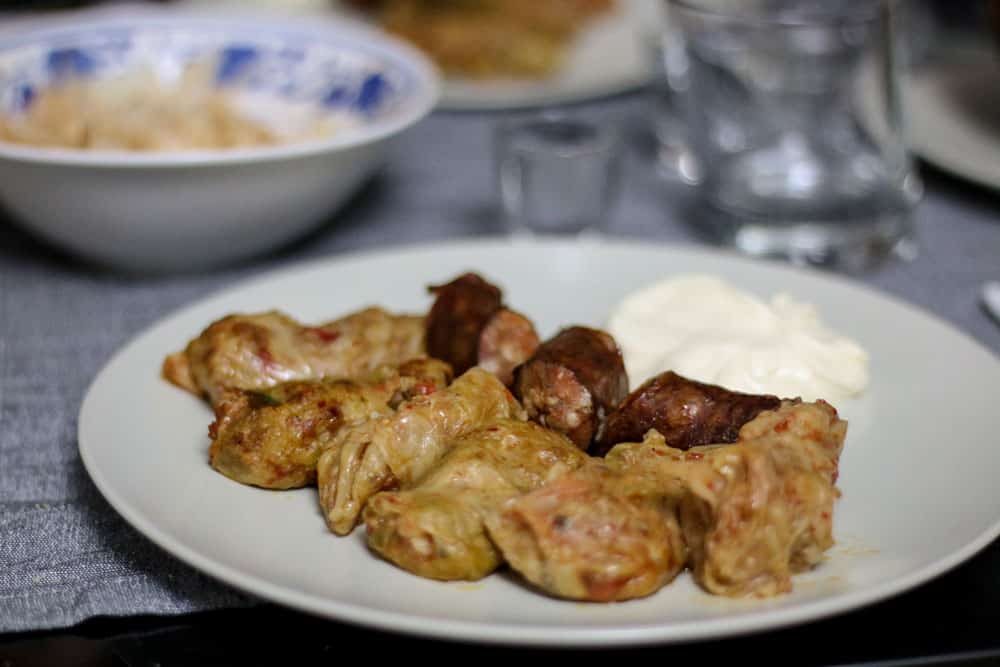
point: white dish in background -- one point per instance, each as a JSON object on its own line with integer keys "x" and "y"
{"x": 953, "y": 116}
{"x": 614, "y": 54}
{"x": 917, "y": 473}
{"x": 179, "y": 210}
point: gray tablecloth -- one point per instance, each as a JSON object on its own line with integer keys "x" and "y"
{"x": 66, "y": 556}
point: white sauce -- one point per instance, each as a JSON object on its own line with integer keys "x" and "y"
{"x": 705, "y": 329}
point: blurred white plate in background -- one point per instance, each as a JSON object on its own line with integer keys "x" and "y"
{"x": 953, "y": 117}
{"x": 616, "y": 53}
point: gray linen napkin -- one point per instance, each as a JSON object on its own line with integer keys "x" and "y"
{"x": 65, "y": 555}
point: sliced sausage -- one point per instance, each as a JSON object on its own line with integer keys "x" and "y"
{"x": 460, "y": 312}
{"x": 572, "y": 382}
{"x": 685, "y": 412}
{"x": 507, "y": 341}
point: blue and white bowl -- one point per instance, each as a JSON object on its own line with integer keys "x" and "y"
{"x": 195, "y": 209}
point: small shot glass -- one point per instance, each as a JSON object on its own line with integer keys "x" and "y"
{"x": 556, "y": 175}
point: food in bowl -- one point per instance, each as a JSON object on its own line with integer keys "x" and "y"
{"x": 161, "y": 211}
{"x": 140, "y": 111}
{"x": 483, "y": 39}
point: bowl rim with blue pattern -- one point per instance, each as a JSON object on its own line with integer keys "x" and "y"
{"x": 406, "y": 77}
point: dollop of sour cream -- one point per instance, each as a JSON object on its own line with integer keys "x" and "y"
{"x": 705, "y": 329}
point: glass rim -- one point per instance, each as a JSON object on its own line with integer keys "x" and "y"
{"x": 760, "y": 20}
{"x": 606, "y": 139}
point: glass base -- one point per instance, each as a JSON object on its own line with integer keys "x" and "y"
{"x": 852, "y": 247}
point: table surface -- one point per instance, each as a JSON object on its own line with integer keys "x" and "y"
{"x": 438, "y": 185}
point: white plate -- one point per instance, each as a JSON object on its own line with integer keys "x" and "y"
{"x": 614, "y": 54}
{"x": 953, "y": 117}
{"x": 918, "y": 472}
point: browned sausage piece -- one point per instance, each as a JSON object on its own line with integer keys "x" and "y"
{"x": 508, "y": 340}
{"x": 572, "y": 382}
{"x": 685, "y": 412}
{"x": 461, "y": 310}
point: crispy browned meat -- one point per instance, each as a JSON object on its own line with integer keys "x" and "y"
{"x": 262, "y": 350}
{"x": 595, "y": 534}
{"x": 435, "y": 527}
{"x": 685, "y": 412}
{"x": 460, "y": 312}
{"x": 572, "y": 382}
{"x": 756, "y": 511}
{"x": 272, "y": 438}
{"x": 396, "y": 450}
{"x": 468, "y": 326}
{"x": 507, "y": 341}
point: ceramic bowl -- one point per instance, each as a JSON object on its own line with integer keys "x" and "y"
{"x": 181, "y": 210}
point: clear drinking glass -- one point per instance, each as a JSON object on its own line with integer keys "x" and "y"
{"x": 793, "y": 121}
{"x": 556, "y": 175}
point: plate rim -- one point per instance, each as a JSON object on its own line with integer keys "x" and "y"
{"x": 924, "y": 84}
{"x": 509, "y": 634}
